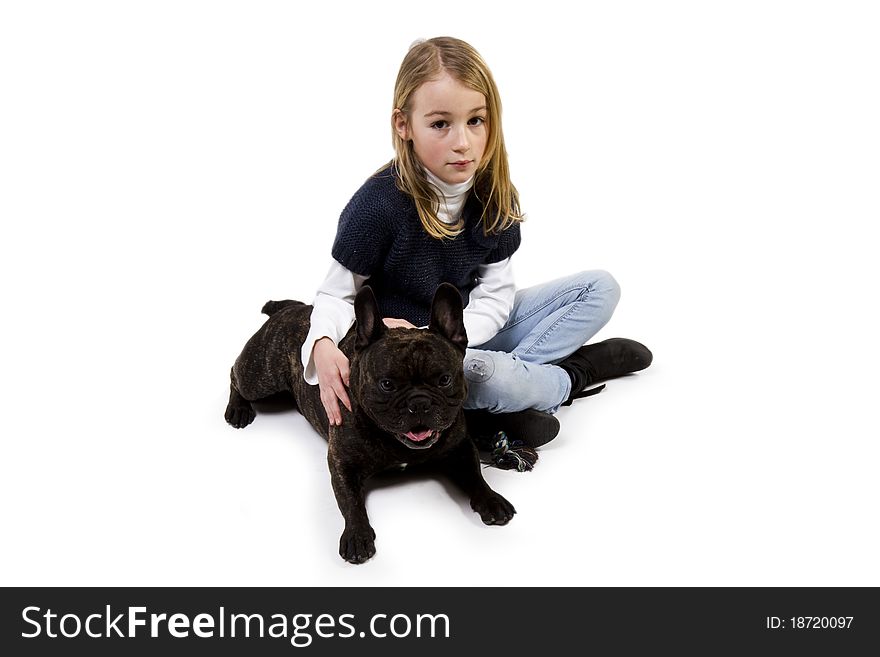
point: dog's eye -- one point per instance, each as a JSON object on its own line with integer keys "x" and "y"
{"x": 387, "y": 385}
{"x": 445, "y": 381}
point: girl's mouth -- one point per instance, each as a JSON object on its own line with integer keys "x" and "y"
{"x": 462, "y": 164}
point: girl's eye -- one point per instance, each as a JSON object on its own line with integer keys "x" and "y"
{"x": 477, "y": 120}
{"x": 439, "y": 125}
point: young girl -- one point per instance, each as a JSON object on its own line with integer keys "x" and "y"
{"x": 444, "y": 210}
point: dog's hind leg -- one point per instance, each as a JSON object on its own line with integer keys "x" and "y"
{"x": 239, "y": 411}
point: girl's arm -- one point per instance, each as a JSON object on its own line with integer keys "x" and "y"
{"x": 333, "y": 313}
{"x": 490, "y": 302}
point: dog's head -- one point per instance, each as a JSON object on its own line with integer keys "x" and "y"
{"x": 410, "y": 382}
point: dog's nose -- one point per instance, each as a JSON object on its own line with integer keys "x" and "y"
{"x": 418, "y": 404}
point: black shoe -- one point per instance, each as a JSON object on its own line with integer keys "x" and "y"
{"x": 603, "y": 360}
{"x": 533, "y": 428}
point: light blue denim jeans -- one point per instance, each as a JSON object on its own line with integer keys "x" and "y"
{"x": 516, "y": 369}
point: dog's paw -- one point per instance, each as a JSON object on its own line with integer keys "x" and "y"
{"x": 240, "y": 416}
{"x": 357, "y": 545}
{"x": 493, "y": 508}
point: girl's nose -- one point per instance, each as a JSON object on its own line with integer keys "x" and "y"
{"x": 462, "y": 143}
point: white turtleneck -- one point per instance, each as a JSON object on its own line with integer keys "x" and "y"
{"x": 489, "y": 303}
{"x": 452, "y": 197}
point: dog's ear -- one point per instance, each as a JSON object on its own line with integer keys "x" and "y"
{"x": 447, "y": 316}
{"x": 369, "y": 321}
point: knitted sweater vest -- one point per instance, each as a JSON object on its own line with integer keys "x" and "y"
{"x": 380, "y": 236}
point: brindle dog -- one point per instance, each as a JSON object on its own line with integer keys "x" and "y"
{"x": 407, "y": 389}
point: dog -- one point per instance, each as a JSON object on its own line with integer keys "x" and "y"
{"x": 407, "y": 388}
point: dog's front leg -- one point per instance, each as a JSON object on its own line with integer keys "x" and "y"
{"x": 357, "y": 543}
{"x": 463, "y": 467}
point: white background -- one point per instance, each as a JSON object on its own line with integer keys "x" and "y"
{"x": 167, "y": 167}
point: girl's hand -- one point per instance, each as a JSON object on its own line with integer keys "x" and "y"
{"x": 331, "y": 366}
{"x": 390, "y": 322}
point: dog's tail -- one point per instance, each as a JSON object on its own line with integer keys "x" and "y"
{"x": 272, "y": 307}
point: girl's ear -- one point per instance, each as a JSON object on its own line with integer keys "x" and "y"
{"x": 400, "y": 124}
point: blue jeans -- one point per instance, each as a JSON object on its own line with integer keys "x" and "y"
{"x": 516, "y": 369}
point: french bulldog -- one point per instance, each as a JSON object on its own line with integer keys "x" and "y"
{"x": 407, "y": 387}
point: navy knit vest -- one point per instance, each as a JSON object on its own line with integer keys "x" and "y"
{"x": 380, "y": 236}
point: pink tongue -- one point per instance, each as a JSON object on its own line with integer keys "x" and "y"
{"x": 420, "y": 436}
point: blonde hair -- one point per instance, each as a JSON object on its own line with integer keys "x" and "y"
{"x": 425, "y": 61}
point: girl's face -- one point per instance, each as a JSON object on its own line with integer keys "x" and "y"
{"x": 447, "y": 126}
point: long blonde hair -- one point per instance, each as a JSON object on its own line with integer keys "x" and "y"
{"x": 426, "y": 61}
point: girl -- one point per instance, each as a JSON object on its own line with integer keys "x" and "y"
{"x": 444, "y": 210}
